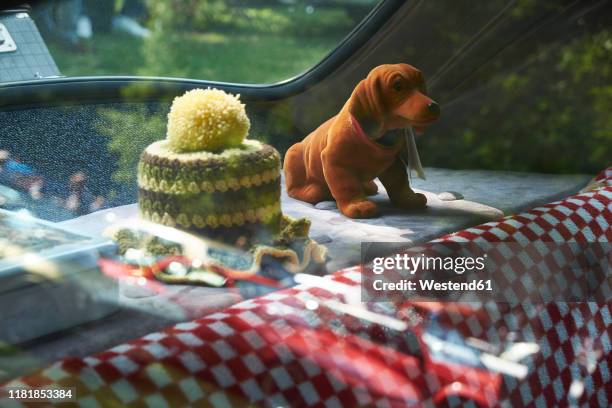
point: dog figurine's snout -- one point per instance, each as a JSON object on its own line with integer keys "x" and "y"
{"x": 434, "y": 108}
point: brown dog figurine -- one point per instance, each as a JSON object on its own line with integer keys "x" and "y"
{"x": 344, "y": 155}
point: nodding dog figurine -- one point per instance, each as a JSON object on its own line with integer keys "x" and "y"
{"x": 344, "y": 155}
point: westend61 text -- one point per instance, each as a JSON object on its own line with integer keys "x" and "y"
{"x": 433, "y": 285}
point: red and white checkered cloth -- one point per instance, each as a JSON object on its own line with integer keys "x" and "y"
{"x": 241, "y": 355}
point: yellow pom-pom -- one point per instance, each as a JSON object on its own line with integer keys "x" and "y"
{"x": 206, "y": 119}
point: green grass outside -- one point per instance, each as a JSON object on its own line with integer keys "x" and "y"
{"x": 109, "y": 54}
{"x": 219, "y": 56}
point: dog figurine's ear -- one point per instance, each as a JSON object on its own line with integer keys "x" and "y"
{"x": 365, "y": 105}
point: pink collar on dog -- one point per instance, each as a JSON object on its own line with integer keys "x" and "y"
{"x": 390, "y": 150}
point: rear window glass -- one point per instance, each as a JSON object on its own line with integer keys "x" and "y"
{"x": 222, "y": 40}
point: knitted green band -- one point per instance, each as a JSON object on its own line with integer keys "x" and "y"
{"x": 213, "y": 203}
{"x": 268, "y": 215}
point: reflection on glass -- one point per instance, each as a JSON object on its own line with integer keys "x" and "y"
{"x": 448, "y": 345}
